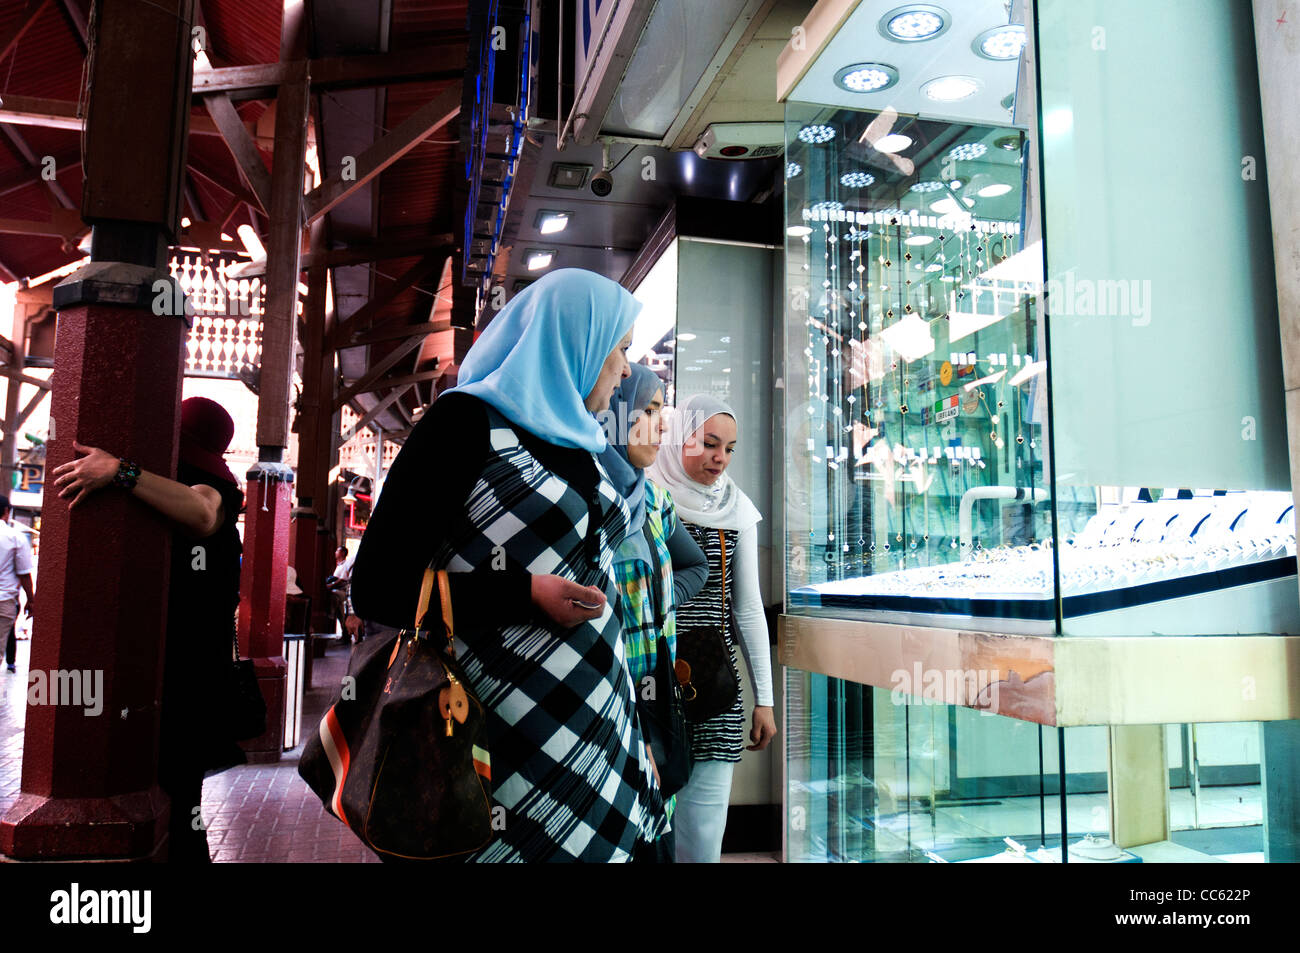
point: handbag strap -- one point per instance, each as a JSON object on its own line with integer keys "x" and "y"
{"x": 439, "y": 578}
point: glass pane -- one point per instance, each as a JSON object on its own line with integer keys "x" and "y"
{"x": 916, "y": 402}
{"x": 1131, "y": 310}
{"x": 877, "y": 777}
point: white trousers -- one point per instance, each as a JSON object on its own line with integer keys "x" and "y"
{"x": 701, "y": 815}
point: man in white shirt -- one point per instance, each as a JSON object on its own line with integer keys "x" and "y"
{"x": 15, "y": 573}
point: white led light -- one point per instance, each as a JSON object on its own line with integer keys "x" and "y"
{"x": 967, "y": 150}
{"x": 915, "y": 25}
{"x": 945, "y": 206}
{"x": 1001, "y": 43}
{"x": 866, "y": 77}
{"x": 930, "y": 186}
{"x": 894, "y": 142}
{"x": 934, "y": 266}
{"x": 919, "y": 240}
{"x": 553, "y": 222}
{"x": 792, "y": 169}
{"x": 816, "y": 134}
{"x": 994, "y": 190}
{"x": 537, "y": 260}
{"x": 798, "y": 231}
{"x": 827, "y": 206}
{"x": 951, "y": 89}
{"x": 856, "y": 180}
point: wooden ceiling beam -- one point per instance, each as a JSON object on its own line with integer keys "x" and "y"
{"x": 383, "y": 152}
{"x": 391, "y": 382}
{"x": 380, "y": 251}
{"x": 248, "y": 158}
{"x": 438, "y": 62}
{"x": 25, "y": 20}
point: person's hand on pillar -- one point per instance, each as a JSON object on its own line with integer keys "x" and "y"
{"x": 87, "y": 474}
{"x": 197, "y": 509}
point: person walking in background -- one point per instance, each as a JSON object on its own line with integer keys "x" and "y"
{"x": 15, "y": 575}
{"x": 659, "y": 563}
{"x": 698, "y": 447}
{"x": 203, "y": 504}
{"x": 498, "y": 483}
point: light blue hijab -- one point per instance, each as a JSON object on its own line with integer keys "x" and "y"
{"x": 540, "y": 357}
{"x": 630, "y": 400}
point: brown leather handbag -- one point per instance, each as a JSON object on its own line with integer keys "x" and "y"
{"x": 401, "y": 756}
{"x": 709, "y": 681}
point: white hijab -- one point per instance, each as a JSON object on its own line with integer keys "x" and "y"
{"x": 720, "y": 506}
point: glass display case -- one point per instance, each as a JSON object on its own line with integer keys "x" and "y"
{"x": 926, "y": 401}
{"x": 1034, "y": 413}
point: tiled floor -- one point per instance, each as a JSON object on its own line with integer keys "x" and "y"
{"x": 254, "y": 813}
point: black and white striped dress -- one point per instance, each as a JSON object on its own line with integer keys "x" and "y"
{"x": 568, "y": 764}
{"x": 721, "y": 738}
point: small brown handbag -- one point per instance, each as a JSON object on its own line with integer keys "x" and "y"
{"x": 703, "y": 668}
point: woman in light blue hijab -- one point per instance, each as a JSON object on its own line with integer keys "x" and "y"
{"x": 539, "y": 361}
{"x": 499, "y": 484}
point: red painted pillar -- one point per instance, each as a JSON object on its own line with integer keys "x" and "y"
{"x": 89, "y": 784}
{"x": 261, "y": 595}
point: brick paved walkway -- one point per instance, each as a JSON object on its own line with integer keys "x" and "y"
{"x": 257, "y": 813}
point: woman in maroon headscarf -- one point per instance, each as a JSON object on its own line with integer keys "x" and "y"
{"x": 203, "y": 503}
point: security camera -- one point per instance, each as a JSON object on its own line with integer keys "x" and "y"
{"x": 602, "y": 183}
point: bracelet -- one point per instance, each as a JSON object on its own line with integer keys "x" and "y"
{"x": 127, "y": 474}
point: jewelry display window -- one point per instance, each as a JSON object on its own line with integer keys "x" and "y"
{"x": 916, "y": 398}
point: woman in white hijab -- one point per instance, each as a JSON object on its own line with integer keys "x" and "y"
{"x": 697, "y": 449}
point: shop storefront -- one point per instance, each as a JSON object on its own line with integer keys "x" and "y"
{"x": 1040, "y": 559}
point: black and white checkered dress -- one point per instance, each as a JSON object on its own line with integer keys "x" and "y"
{"x": 568, "y": 764}
{"x": 721, "y": 738}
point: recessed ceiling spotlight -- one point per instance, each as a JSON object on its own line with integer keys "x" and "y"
{"x": 1001, "y": 42}
{"x": 967, "y": 150}
{"x": 894, "y": 142}
{"x": 951, "y": 89}
{"x": 550, "y": 221}
{"x": 1009, "y": 143}
{"x": 856, "y": 180}
{"x": 954, "y": 184}
{"x": 826, "y": 207}
{"x": 914, "y": 22}
{"x": 816, "y": 134}
{"x": 792, "y": 169}
{"x": 994, "y": 190}
{"x": 539, "y": 258}
{"x": 866, "y": 77}
{"x": 930, "y": 186}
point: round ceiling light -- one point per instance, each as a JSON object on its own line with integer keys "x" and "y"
{"x": 946, "y": 207}
{"x": 798, "y": 231}
{"x": 967, "y": 150}
{"x": 792, "y": 169}
{"x": 1009, "y": 143}
{"x": 866, "y": 77}
{"x": 1001, "y": 42}
{"x": 930, "y": 186}
{"x": 894, "y": 142}
{"x": 914, "y": 22}
{"x": 856, "y": 180}
{"x": 951, "y": 89}
{"x": 826, "y": 207}
{"x": 816, "y": 134}
{"x": 919, "y": 240}
{"x": 934, "y": 266}
{"x": 994, "y": 190}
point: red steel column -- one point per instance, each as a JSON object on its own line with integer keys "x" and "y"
{"x": 89, "y": 778}
{"x": 89, "y": 781}
{"x": 261, "y": 587}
